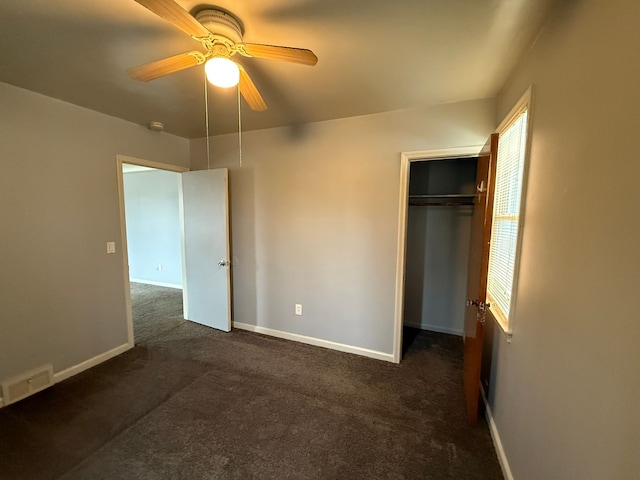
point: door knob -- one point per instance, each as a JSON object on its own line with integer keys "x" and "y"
{"x": 224, "y": 263}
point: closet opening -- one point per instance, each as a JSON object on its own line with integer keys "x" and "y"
{"x": 439, "y": 210}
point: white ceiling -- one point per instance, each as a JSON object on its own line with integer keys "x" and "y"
{"x": 374, "y": 56}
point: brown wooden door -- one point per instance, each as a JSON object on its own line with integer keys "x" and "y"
{"x": 477, "y": 275}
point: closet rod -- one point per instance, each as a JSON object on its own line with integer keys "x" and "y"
{"x": 448, "y": 195}
{"x": 440, "y": 204}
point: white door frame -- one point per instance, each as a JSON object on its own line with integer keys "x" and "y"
{"x": 120, "y": 159}
{"x": 405, "y": 159}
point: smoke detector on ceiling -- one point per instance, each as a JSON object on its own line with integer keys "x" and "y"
{"x": 155, "y": 126}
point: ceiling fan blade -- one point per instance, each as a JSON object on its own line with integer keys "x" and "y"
{"x": 159, "y": 68}
{"x": 250, "y": 92}
{"x": 178, "y": 16}
{"x": 273, "y": 52}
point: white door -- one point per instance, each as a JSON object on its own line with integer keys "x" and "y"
{"x": 207, "y": 287}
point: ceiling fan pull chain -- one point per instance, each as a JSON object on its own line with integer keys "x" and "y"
{"x": 206, "y": 119}
{"x": 239, "y": 128}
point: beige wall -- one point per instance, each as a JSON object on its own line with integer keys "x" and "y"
{"x": 314, "y": 214}
{"x": 565, "y": 392}
{"x": 61, "y": 296}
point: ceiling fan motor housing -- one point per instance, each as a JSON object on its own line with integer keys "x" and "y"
{"x": 220, "y": 24}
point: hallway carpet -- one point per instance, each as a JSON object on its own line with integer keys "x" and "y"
{"x": 189, "y": 402}
{"x": 155, "y": 310}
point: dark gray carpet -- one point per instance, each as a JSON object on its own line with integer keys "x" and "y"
{"x": 155, "y": 310}
{"x": 193, "y": 403}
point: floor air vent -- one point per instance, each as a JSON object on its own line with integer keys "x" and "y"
{"x": 27, "y": 384}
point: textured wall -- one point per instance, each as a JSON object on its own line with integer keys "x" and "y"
{"x": 153, "y": 226}
{"x": 565, "y": 391}
{"x": 62, "y": 297}
{"x": 314, "y": 217}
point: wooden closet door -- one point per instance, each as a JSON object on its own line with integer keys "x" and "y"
{"x": 477, "y": 275}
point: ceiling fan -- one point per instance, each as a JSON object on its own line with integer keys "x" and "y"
{"x": 220, "y": 33}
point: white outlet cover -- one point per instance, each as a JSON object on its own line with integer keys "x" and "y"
{"x": 111, "y": 247}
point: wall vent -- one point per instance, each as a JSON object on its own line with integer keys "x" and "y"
{"x": 26, "y": 384}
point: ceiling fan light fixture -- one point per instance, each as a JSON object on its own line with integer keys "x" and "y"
{"x": 222, "y": 72}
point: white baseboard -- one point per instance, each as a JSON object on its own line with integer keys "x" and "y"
{"x": 157, "y": 284}
{"x": 434, "y": 328}
{"x": 92, "y": 362}
{"x": 318, "y": 342}
{"x": 495, "y": 436}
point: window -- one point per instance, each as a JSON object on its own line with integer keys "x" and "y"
{"x": 510, "y": 171}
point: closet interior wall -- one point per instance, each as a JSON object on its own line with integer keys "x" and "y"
{"x": 441, "y": 194}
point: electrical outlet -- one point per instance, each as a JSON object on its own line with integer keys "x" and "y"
{"x": 159, "y": 267}
{"x": 111, "y": 247}
{"x": 298, "y": 309}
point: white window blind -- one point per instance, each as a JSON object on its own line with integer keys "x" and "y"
{"x": 506, "y": 216}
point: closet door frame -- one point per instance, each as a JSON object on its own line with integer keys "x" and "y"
{"x": 405, "y": 160}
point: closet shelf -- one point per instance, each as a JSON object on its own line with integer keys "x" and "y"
{"x": 440, "y": 204}
{"x": 447, "y": 200}
{"x": 446, "y": 195}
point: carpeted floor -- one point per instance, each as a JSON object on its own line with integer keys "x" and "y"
{"x": 189, "y": 402}
{"x": 155, "y": 310}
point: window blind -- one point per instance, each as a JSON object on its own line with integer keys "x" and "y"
{"x": 506, "y": 215}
